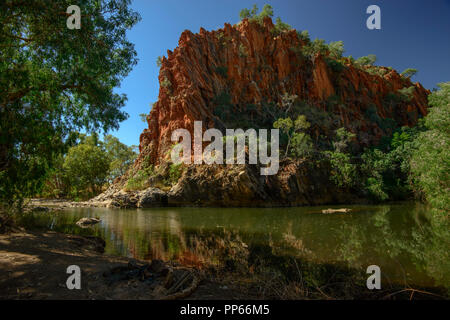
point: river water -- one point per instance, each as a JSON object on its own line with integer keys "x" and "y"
{"x": 402, "y": 239}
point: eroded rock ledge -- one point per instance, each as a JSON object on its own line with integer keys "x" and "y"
{"x": 297, "y": 183}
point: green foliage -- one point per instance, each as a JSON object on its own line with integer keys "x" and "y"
{"x": 302, "y": 145}
{"x": 304, "y": 36}
{"x": 242, "y": 51}
{"x": 384, "y": 123}
{"x": 56, "y": 81}
{"x": 343, "y": 138}
{"x": 343, "y": 171}
{"x": 159, "y": 61}
{"x": 139, "y": 180}
{"x": 267, "y": 11}
{"x": 430, "y": 164}
{"x": 120, "y": 156}
{"x": 407, "y": 94}
{"x": 295, "y": 133}
{"x": 175, "y": 172}
{"x": 368, "y": 60}
{"x": 314, "y": 47}
{"x": 86, "y": 168}
{"x": 375, "y": 70}
{"x": 287, "y": 101}
{"x": 280, "y": 27}
{"x": 336, "y": 49}
{"x": 393, "y": 99}
{"x": 252, "y": 15}
{"x": 408, "y": 73}
{"x": 166, "y": 83}
{"x": 222, "y": 71}
{"x": 334, "y": 65}
{"x": 386, "y": 169}
{"x": 143, "y": 117}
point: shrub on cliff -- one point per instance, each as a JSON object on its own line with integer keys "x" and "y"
{"x": 336, "y": 49}
{"x": 139, "y": 180}
{"x": 280, "y": 27}
{"x": 253, "y": 15}
{"x": 314, "y": 47}
{"x": 368, "y": 60}
{"x": 343, "y": 171}
{"x": 304, "y": 36}
{"x": 159, "y": 61}
{"x": 408, "y": 73}
{"x": 267, "y": 11}
{"x": 295, "y": 131}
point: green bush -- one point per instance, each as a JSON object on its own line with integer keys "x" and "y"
{"x": 242, "y": 51}
{"x": 139, "y": 180}
{"x": 222, "y": 71}
{"x": 280, "y": 27}
{"x": 253, "y": 15}
{"x": 175, "y": 172}
{"x": 368, "y": 60}
{"x": 334, "y": 65}
{"x": 304, "y": 36}
{"x": 430, "y": 164}
{"x": 86, "y": 168}
{"x": 408, "y": 73}
{"x": 406, "y": 94}
{"x": 166, "y": 83}
{"x": 159, "y": 61}
{"x": 314, "y": 47}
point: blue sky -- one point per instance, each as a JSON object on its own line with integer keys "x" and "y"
{"x": 413, "y": 34}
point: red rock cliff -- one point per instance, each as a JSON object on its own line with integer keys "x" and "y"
{"x": 261, "y": 67}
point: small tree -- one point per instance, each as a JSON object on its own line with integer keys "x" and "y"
{"x": 86, "y": 167}
{"x": 120, "y": 156}
{"x": 368, "y": 60}
{"x": 285, "y": 125}
{"x": 280, "y": 27}
{"x": 304, "y": 35}
{"x": 342, "y": 170}
{"x": 336, "y": 49}
{"x": 290, "y": 128}
{"x": 159, "y": 61}
{"x": 408, "y": 73}
{"x": 302, "y": 145}
{"x": 143, "y": 117}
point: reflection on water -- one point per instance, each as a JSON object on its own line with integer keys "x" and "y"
{"x": 402, "y": 239}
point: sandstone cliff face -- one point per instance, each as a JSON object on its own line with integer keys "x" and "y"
{"x": 253, "y": 69}
{"x": 257, "y": 68}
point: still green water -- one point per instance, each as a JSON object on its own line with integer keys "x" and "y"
{"x": 402, "y": 239}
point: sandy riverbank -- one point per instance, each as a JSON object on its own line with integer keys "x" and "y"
{"x": 33, "y": 266}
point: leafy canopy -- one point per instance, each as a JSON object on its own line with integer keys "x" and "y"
{"x": 56, "y": 81}
{"x": 430, "y": 164}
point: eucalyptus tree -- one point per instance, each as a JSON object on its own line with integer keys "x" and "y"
{"x": 55, "y": 81}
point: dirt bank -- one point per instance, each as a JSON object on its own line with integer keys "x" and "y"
{"x": 33, "y": 266}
